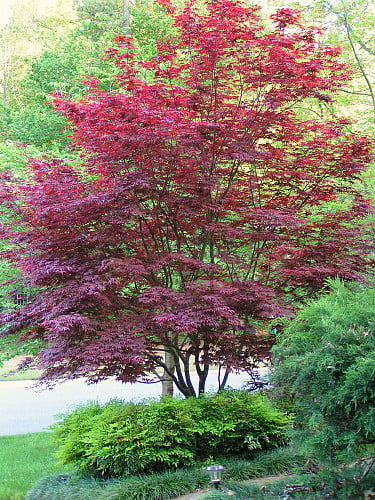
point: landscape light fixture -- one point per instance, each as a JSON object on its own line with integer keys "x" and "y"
{"x": 215, "y": 472}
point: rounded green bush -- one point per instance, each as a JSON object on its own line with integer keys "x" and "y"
{"x": 130, "y": 438}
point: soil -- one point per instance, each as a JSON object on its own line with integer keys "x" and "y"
{"x": 193, "y": 496}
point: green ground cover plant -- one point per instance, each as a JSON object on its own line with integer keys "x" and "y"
{"x": 150, "y": 436}
{"x": 339, "y": 484}
{"x": 24, "y": 459}
{"x": 165, "y": 485}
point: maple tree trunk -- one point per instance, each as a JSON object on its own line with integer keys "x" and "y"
{"x": 222, "y": 382}
{"x": 167, "y": 382}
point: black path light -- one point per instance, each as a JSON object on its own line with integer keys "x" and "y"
{"x": 215, "y": 472}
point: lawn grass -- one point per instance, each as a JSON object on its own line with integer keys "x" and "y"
{"x": 9, "y": 372}
{"x": 24, "y": 459}
{"x": 21, "y": 375}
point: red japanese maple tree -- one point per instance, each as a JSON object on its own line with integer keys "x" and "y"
{"x": 200, "y": 206}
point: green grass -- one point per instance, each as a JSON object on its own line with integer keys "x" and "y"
{"x": 24, "y": 459}
{"x": 21, "y": 375}
{"x": 9, "y": 372}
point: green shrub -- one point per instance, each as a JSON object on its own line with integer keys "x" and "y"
{"x": 325, "y": 363}
{"x": 233, "y": 422}
{"x": 130, "y": 438}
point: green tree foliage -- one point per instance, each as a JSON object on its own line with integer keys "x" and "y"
{"x": 13, "y": 158}
{"x": 64, "y": 65}
{"x": 325, "y": 363}
{"x": 348, "y": 24}
{"x": 149, "y": 23}
{"x": 14, "y": 291}
{"x": 27, "y": 33}
{"x": 351, "y": 25}
{"x": 60, "y": 68}
{"x": 39, "y": 126}
{"x": 100, "y": 16}
{"x": 121, "y": 438}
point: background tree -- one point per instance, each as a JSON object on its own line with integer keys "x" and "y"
{"x": 12, "y": 67}
{"x": 27, "y": 31}
{"x": 100, "y": 13}
{"x": 199, "y": 209}
{"x": 350, "y": 24}
{"x": 69, "y": 58}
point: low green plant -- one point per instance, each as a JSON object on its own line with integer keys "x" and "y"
{"x": 340, "y": 484}
{"x": 130, "y": 438}
{"x": 165, "y": 485}
{"x": 243, "y": 491}
{"x": 216, "y": 495}
{"x": 277, "y": 461}
{"x": 149, "y": 487}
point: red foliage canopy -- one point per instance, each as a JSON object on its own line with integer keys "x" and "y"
{"x": 200, "y": 207}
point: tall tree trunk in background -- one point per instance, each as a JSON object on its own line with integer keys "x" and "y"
{"x": 126, "y": 15}
{"x": 5, "y": 103}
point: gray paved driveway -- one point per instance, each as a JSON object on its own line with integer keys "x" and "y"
{"x": 25, "y": 409}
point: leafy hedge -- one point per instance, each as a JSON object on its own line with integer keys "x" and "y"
{"x": 131, "y": 438}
